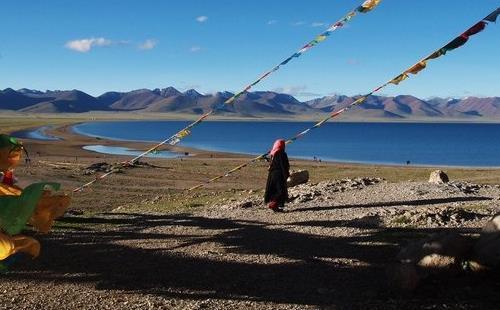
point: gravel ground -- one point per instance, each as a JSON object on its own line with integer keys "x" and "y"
{"x": 332, "y": 248}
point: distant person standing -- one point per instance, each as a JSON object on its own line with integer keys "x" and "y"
{"x": 279, "y": 171}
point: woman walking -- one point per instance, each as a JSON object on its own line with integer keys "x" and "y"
{"x": 276, "y": 189}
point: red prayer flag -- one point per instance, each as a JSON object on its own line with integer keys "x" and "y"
{"x": 475, "y": 29}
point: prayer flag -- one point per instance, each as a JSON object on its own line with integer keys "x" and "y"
{"x": 321, "y": 38}
{"x": 493, "y": 16}
{"x": 417, "y": 67}
{"x": 399, "y": 79}
{"x": 456, "y": 43}
{"x": 368, "y": 5}
{"x": 436, "y": 54}
{"x": 284, "y": 62}
{"x": 184, "y": 133}
{"x": 475, "y": 29}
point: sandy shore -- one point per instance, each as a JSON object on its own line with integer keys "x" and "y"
{"x": 139, "y": 240}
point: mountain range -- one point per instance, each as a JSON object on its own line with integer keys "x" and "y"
{"x": 250, "y": 104}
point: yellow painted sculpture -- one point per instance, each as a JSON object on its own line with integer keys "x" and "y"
{"x": 18, "y": 244}
{"x": 35, "y": 205}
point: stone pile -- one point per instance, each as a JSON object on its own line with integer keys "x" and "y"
{"x": 306, "y": 192}
{"x": 118, "y": 167}
{"x": 438, "y": 216}
{"x": 467, "y": 188}
{"x": 97, "y": 167}
{"x": 440, "y": 177}
{"x": 327, "y": 189}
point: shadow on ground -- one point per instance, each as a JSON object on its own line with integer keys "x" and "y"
{"x": 325, "y": 271}
{"x": 419, "y": 202}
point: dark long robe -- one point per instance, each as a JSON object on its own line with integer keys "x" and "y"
{"x": 276, "y": 188}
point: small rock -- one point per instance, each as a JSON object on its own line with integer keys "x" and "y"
{"x": 74, "y": 212}
{"x": 369, "y": 221}
{"x": 475, "y": 266}
{"x": 246, "y": 204}
{"x": 438, "y": 177}
{"x": 298, "y": 177}
{"x": 436, "y": 261}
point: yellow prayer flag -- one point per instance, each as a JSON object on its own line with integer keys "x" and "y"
{"x": 417, "y": 67}
{"x": 399, "y": 79}
{"x": 320, "y": 38}
{"x": 369, "y": 5}
{"x": 184, "y": 133}
{"x": 230, "y": 100}
{"x": 360, "y": 100}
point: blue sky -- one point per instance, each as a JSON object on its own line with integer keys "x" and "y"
{"x": 213, "y": 45}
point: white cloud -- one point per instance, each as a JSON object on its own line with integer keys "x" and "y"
{"x": 299, "y": 23}
{"x": 148, "y": 44}
{"x": 272, "y": 22}
{"x": 85, "y": 45}
{"x": 296, "y": 91}
{"x": 318, "y": 24}
{"x": 195, "y": 49}
{"x": 201, "y": 19}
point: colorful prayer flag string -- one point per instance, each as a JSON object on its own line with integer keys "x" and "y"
{"x": 415, "y": 69}
{"x": 365, "y": 7}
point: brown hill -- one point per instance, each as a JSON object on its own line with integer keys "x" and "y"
{"x": 251, "y": 104}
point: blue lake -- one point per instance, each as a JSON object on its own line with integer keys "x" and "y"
{"x": 439, "y": 144}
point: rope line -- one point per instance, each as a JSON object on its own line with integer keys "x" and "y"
{"x": 417, "y": 67}
{"x": 365, "y": 7}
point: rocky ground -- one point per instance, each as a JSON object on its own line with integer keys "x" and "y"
{"x": 334, "y": 247}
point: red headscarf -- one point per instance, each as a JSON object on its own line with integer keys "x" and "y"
{"x": 279, "y": 145}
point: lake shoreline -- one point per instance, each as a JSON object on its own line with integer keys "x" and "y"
{"x": 68, "y": 132}
{"x": 389, "y": 144}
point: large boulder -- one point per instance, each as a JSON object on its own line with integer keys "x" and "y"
{"x": 438, "y": 177}
{"x": 298, "y": 177}
{"x": 487, "y": 248}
